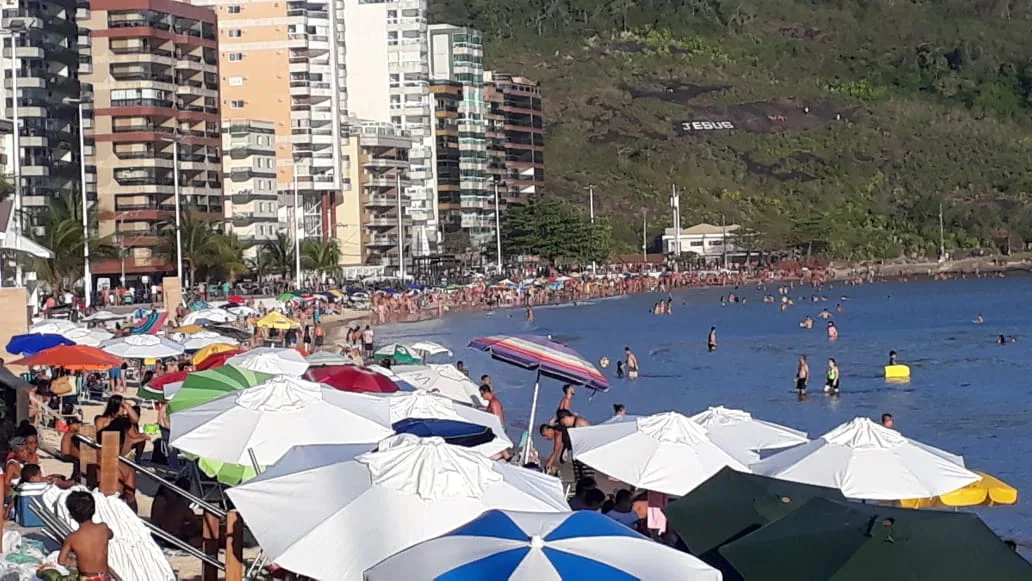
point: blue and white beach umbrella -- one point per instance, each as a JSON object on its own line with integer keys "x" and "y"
{"x": 527, "y": 546}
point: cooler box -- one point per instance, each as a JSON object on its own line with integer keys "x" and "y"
{"x": 23, "y": 497}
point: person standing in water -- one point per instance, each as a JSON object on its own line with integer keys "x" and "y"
{"x": 711, "y": 339}
{"x": 632, "y": 363}
{"x": 892, "y": 358}
{"x": 802, "y": 375}
{"x": 567, "y": 402}
{"x": 832, "y": 331}
{"x": 832, "y": 384}
{"x": 530, "y": 313}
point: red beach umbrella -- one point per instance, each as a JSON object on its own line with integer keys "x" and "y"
{"x": 236, "y": 299}
{"x": 351, "y": 378}
{"x": 217, "y": 359}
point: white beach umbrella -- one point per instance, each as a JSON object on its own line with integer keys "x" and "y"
{"x": 271, "y": 417}
{"x": 104, "y": 316}
{"x": 88, "y": 337}
{"x": 242, "y": 310}
{"x": 142, "y": 347}
{"x": 347, "y": 512}
{"x": 271, "y": 360}
{"x": 666, "y": 452}
{"x": 738, "y": 429}
{"x": 211, "y": 315}
{"x": 421, "y": 404}
{"x": 869, "y": 462}
{"x": 542, "y": 546}
{"x": 203, "y": 339}
{"x": 54, "y": 326}
{"x": 440, "y": 378}
{"x": 430, "y": 348}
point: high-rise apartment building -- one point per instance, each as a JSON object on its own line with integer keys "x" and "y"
{"x": 249, "y": 163}
{"x": 282, "y": 61}
{"x": 47, "y": 59}
{"x": 154, "y": 74}
{"x": 388, "y": 81}
{"x": 517, "y": 102}
{"x": 447, "y": 95}
{"x": 379, "y": 154}
{"x": 457, "y": 55}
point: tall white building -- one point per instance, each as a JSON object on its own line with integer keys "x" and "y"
{"x": 388, "y": 81}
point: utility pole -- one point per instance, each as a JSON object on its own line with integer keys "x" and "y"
{"x": 297, "y": 233}
{"x": 19, "y": 230}
{"x": 675, "y": 204}
{"x": 498, "y": 229}
{"x": 87, "y": 277}
{"x": 942, "y": 237}
{"x": 723, "y": 239}
{"x": 644, "y": 237}
{"x": 401, "y": 229}
{"x": 591, "y": 215}
{"x": 179, "y": 211}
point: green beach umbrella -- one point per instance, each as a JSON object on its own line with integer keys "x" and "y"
{"x": 844, "y": 541}
{"x": 224, "y": 472}
{"x": 731, "y": 504}
{"x": 204, "y": 386}
{"x": 285, "y": 297}
{"x": 400, "y": 354}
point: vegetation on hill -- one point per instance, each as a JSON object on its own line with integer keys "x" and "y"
{"x": 853, "y": 119}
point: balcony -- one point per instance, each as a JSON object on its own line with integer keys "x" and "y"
{"x": 381, "y": 241}
{"x": 381, "y": 201}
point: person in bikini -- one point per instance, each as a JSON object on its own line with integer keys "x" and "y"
{"x": 89, "y": 542}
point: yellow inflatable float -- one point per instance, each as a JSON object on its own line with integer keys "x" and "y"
{"x": 897, "y": 372}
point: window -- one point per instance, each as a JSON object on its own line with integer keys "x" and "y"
{"x": 716, "y": 243}
{"x": 236, "y": 104}
{"x": 236, "y": 81}
{"x": 696, "y": 243}
{"x": 396, "y": 120}
{"x": 234, "y": 33}
{"x": 236, "y": 57}
{"x": 233, "y": 9}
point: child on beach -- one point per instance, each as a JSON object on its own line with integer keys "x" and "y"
{"x": 89, "y": 542}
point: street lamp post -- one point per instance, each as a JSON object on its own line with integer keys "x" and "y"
{"x": 591, "y": 214}
{"x": 15, "y": 28}
{"x": 297, "y": 234}
{"x": 498, "y": 229}
{"x": 179, "y": 214}
{"x": 87, "y": 277}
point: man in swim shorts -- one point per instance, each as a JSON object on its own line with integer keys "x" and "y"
{"x": 802, "y": 375}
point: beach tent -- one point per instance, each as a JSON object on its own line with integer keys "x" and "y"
{"x": 738, "y": 429}
{"x": 665, "y": 452}
{"x": 522, "y": 546}
{"x": 350, "y": 510}
{"x": 271, "y": 360}
{"x": 421, "y": 404}
{"x": 397, "y": 353}
{"x": 869, "y": 462}
{"x": 269, "y": 418}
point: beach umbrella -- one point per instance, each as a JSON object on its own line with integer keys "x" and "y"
{"x": 269, "y": 418}
{"x": 188, "y": 330}
{"x": 351, "y": 378}
{"x": 142, "y": 347}
{"x": 33, "y": 343}
{"x": 216, "y": 359}
{"x": 738, "y": 429}
{"x": 548, "y": 358}
{"x": 198, "y": 306}
{"x": 421, "y": 404}
{"x": 528, "y": 546}
{"x": 104, "y": 316}
{"x": 51, "y": 326}
{"x": 209, "y": 315}
{"x": 869, "y": 462}
{"x": 349, "y": 510}
{"x": 83, "y": 336}
{"x": 225, "y": 472}
{"x": 242, "y": 310}
{"x": 241, "y": 335}
{"x": 285, "y": 297}
{"x": 397, "y": 353}
{"x": 199, "y": 341}
{"x": 276, "y": 320}
{"x": 271, "y": 360}
{"x": 236, "y": 299}
{"x": 160, "y": 388}
{"x": 730, "y": 504}
{"x": 205, "y": 352}
{"x": 429, "y": 348}
{"x": 73, "y": 358}
{"x": 203, "y": 386}
{"x": 987, "y": 491}
{"x": 323, "y": 358}
{"x": 665, "y": 452}
{"x": 445, "y": 380}
{"x": 839, "y": 541}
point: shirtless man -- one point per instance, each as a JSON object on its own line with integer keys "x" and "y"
{"x": 493, "y": 404}
{"x": 632, "y": 363}
{"x": 567, "y": 401}
{"x": 802, "y": 375}
{"x": 711, "y": 339}
{"x": 89, "y": 542}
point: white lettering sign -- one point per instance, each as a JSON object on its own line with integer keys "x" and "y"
{"x": 690, "y": 126}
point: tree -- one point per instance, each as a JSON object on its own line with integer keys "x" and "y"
{"x": 279, "y": 254}
{"x": 230, "y": 258}
{"x": 555, "y": 231}
{"x": 320, "y": 256}
{"x": 202, "y": 242}
{"x": 62, "y": 234}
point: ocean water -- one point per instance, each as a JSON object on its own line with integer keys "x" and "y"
{"x": 967, "y": 394}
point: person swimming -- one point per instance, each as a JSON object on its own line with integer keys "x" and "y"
{"x": 807, "y": 323}
{"x": 892, "y": 358}
{"x": 1001, "y": 340}
{"x": 711, "y": 340}
{"x": 978, "y": 320}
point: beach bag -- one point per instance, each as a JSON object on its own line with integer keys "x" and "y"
{"x": 63, "y": 386}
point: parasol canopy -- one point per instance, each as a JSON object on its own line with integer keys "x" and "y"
{"x": 32, "y": 343}
{"x": 351, "y": 378}
{"x": 549, "y": 358}
{"x": 72, "y": 357}
{"x": 203, "y": 386}
{"x": 142, "y": 347}
{"x": 271, "y": 360}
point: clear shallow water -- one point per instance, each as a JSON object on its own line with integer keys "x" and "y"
{"x": 967, "y": 394}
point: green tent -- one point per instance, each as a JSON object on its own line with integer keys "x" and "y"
{"x": 731, "y": 504}
{"x": 204, "y": 386}
{"x": 398, "y": 354}
{"x": 825, "y": 540}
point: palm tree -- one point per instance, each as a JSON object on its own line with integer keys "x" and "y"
{"x": 320, "y": 256}
{"x": 202, "y": 243}
{"x": 231, "y": 263}
{"x": 279, "y": 254}
{"x": 62, "y": 234}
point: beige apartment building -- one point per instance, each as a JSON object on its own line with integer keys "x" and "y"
{"x": 154, "y": 74}
{"x": 249, "y": 163}
{"x": 282, "y": 62}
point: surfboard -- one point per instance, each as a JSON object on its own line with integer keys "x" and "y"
{"x": 897, "y": 372}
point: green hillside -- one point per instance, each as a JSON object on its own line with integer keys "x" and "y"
{"x": 852, "y": 119}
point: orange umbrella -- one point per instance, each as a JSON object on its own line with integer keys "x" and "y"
{"x": 72, "y": 357}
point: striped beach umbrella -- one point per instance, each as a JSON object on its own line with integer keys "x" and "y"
{"x": 155, "y": 389}
{"x": 204, "y": 386}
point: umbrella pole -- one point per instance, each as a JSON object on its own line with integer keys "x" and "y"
{"x": 530, "y": 429}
